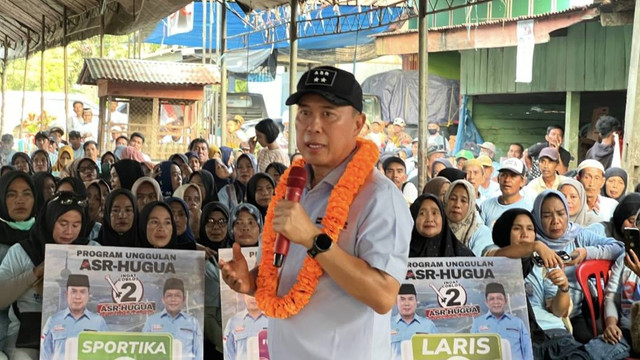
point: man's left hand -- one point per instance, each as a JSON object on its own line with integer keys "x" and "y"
{"x": 291, "y": 220}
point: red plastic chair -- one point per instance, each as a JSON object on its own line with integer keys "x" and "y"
{"x": 600, "y": 270}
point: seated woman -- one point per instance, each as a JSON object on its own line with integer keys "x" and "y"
{"x": 22, "y": 162}
{"x": 169, "y": 177}
{"x": 204, "y": 180}
{"x": 236, "y": 192}
{"x": 45, "y": 184}
{"x": 61, "y": 221}
{"x": 579, "y": 213}
{"x": 460, "y": 207}
{"x": 180, "y": 212}
{"x": 124, "y": 173}
{"x": 275, "y": 170}
{"x": 615, "y": 184}
{"x": 190, "y": 193}
{"x": 551, "y": 214}
{"x": 41, "y": 161}
{"x": 157, "y": 229}
{"x": 213, "y": 226}
{"x": 65, "y": 157}
{"x": 431, "y": 235}
{"x": 623, "y": 290}
{"x": 120, "y": 219}
{"x": 146, "y": 190}
{"x": 623, "y": 216}
{"x": 437, "y": 186}
{"x": 245, "y": 225}
{"x": 260, "y": 190}
{"x": 95, "y": 206}
{"x": 84, "y": 169}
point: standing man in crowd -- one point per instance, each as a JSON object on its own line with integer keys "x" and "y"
{"x": 88, "y": 128}
{"x": 406, "y": 323}
{"x": 549, "y": 160}
{"x": 515, "y": 151}
{"x": 602, "y": 151}
{"x": 68, "y": 323}
{"x": 396, "y": 171}
{"x": 76, "y": 118}
{"x": 554, "y": 139}
{"x": 508, "y": 326}
{"x": 435, "y": 138}
{"x": 488, "y": 188}
{"x": 363, "y": 269}
{"x": 591, "y": 175}
{"x": 400, "y": 138}
{"x": 137, "y": 141}
{"x": 511, "y": 178}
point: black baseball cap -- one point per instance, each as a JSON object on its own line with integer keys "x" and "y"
{"x": 42, "y": 135}
{"x": 337, "y": 86}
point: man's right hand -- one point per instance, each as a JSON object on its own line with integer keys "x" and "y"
{"x": 235, "y": 272}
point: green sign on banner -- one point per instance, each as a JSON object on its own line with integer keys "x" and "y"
{"x": 456, "y": 347}
{"x": 119, "y": 345}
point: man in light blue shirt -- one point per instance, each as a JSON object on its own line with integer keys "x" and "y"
{"x": 508, "y": 326}
{"x": 406, "y": 323}
{"x": 241, "y": 327}
{"x": 68, "y": 323}
{"x": 173, "y": 320}
{"x": 511, "y": 178}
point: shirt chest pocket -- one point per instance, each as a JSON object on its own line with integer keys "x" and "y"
{"x": 241, "y": 334}
{"x": 59, "y": 336}
{"x": 511, "y": 334}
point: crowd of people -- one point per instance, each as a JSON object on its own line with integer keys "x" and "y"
{"x": 530, "y": 205}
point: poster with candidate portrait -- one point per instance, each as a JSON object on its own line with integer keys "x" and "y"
{"x": 244, "y": 326}
{"x": 112, "y": 303}
{"x": 461, "y": 308}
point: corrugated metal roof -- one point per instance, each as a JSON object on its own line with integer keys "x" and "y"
{"x": 145, "y": 71}
{"x": 491, "y": 22}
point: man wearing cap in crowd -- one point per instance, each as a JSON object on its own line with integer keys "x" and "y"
{"x": 241, "y": 327}
{"x": 173, "y": 320}
{"x": 56, "y": 133}
{"x": 377, "y": 134}
{"x": 591, "y": 175}
{"x": 400, "y": 138}
{"x": 554, "y": 139}
{"x": 548, "y": 159}
{"x": 461, "y": 158}
{"x": 488, "y": 149}
{"x": 396, "y": 171}
{"x": 602, "y": 151}
{"x": 364, "y": 268}
{"x": 508, "y": 326}
{"x": 511, "y": 180}
{"x": 68, "y": 323}
{"x": 406, "y": 323}
{"x": 488, "y": 188}
{"x": 42, "y": 143}
{"x": 435, "y": 138}
{"x": 434, "y": 152}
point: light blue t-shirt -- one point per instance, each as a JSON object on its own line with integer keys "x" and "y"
{"x": 539, "y": 290}
{"x": 481, "y": 240}
{"x": 62, "y": 326}
{"x": 623, "y": 290}
{"x": 401, "y": 331}
{"x": 491, "y": 209}
{"x": 509, "y": 327}
{"x": 378, "y": 231}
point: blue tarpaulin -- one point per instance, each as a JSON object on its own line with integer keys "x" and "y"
{"x": 468, "y": 135}
{"x": 236, "y": 26}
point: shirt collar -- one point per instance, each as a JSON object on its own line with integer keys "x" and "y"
{"x": 489, "y": 315}
{"x": 335, "y": 174}
{"x": 165, "y": 313}
{"x": 85, "y": 313}
{"x": 246, "y": 314}
{"x": 399, "y": 318}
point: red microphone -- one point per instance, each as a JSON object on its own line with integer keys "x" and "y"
{"x": 295, "y": 185}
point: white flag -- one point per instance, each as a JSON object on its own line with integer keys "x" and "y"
{"x": 181, "y": 21}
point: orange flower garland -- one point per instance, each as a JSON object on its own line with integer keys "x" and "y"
{"x": 342, "y": 195}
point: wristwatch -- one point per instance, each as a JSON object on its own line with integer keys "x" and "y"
{"x": 321, "y": 243}
{"x": 564, "y": 290}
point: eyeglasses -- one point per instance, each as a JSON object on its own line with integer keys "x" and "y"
{"x": 67, "y": 198}
{"x": 218, "y": 223}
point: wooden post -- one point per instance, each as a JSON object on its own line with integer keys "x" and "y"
{"x": 204, "y": 31}
{"x": 572, "y": 124}
{"x": 101, "y": 34}
{"x": 43, "y": 48}
{"x": 423, "y": 81}
{"x": 5, "y": 59}
{"x": 223, "y": 74}
{"x": 293, "y": 72}
{"x": 155, "y": 124}
{"x": 631, "y": 149}
{"x": 68, "y": 122}
{"x": 102, "y": 111}
{"x": 24, "y": 81}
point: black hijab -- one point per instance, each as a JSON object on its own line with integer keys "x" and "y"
{"x": 210, "y": 165}
{"x": 251, "y": 191}
{"x": 46, "y": 156}
{"x": 444, "y": 244}
{"x": 76, "y": 184}
{"x": 211, "y": 193}
{"x": 6, "y": 168}
{"x": 38, "y": 181}
{"x": 452, "y": 174}
{"x": 105, "y": 168}
{"x": 108, "y": 236}
{"x": 42, "y": 231}
{"x": 628, "y": 206}
{"x": 142, "y": 229}
{"x": 128, "y": 172}
{"x": 501, "y": 234}
{"x": 164, "y": 179}
{"x": 206, "y": 212}
{"x": 182, "y": 158}
{"x": 24, "y": 156}
{"x": 9, "y": 234}
{"x": 611, "y": 172}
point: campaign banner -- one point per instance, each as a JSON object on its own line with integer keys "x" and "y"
{"x": 461, "y": 308}
{"x": 243, "y": 323}
{"x": 113, "y": 303}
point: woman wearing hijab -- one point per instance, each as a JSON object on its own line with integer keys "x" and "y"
{"x": 236, "y": 192}
{"x": 180, "y": 212}
{"x": 41, "y": 161}
{"x": 275, "y": 170}
{"x": 6, "y": 168}
{"x": 579, "y": 213}
{"x": 22, "y": 162}
{"x": 452, "y": 174}
{"x": 132, "y": 153}
{"x": 72, "y": 184}
{"x": 437, "y": 186}
{"x": 464, "y": 221}
{"x": 61, "y": 221}
{"x": 439, "y": 165}
{"x": 157, "y": 228}
{"x": 431, "y": 235}
{"x": 260, "y": 190}
{"x": 227, "y": 156}
{"x": 146, "y": 190}
{"x": 615, "y": 184}
{"x": 245, "y": 225}
{"x": 169, "y": 177}
{"x": 124, "y": 173}
{"x": 514, "y": 234}
{"x": 94, "y": 207}
{"x": 551, "y": 215}
{"x": 220, "y": 172}
{"x": 625, "y": 215}
{"x": 205, "y": 182}
{"x": 84, "y": 169}
{"x": 45, "y": 185}
{"x": 267, "y": 132}
{"x": 120, "y": 220}
{"x": 190, "y": 193}
{"x": 106, "y": 163}
{"x": 193, "y": 160}
{"x": 65, "y": 157}
{"x": 213, "y": 226}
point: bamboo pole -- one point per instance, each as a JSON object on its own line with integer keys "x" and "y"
{"x": 293, "y": 72}
{"x": 423, "y": 81}
{"x": 43, "y": 48}
{"x": 223, "y": 75}
{"x": 24, "y": 82}
{"x": 4, "y": 81}
{"x": 65, "y": 61}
